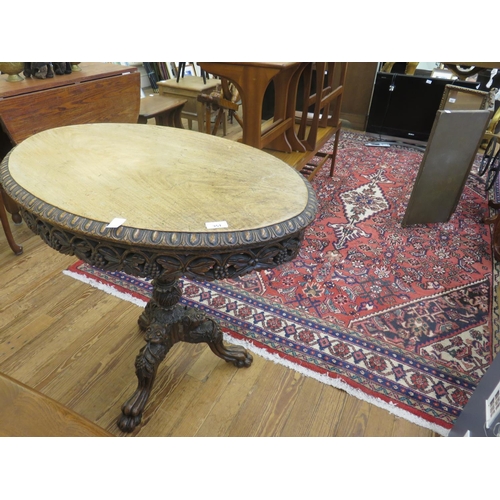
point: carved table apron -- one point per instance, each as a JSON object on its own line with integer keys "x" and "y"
{"x": 193, "y": 205}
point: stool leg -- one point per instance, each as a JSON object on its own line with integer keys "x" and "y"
{"x": 182, "y": 66}
{"x": 207, "y": 119}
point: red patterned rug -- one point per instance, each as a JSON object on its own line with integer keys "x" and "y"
{"x": 399, "y": 317}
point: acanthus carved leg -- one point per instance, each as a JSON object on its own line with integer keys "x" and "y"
{"x": 165, "y": 323}
{"x": 203, "y": 329}
{"x": 146, "y": 365}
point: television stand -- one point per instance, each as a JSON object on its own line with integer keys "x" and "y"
{"x": 388, "y": 144}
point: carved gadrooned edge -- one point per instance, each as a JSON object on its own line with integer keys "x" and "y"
{"x": 148, "y": 238}
{"x": 152, "y": 262}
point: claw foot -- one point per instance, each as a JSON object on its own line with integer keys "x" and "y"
{"x": 128, "y": 423}
{"x": 237, "y": 355}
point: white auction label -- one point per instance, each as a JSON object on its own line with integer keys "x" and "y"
{"x": 116, "y": 222}
{"x": 216, "y": 225}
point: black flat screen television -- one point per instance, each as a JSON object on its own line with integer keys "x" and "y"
{"x": 404, "y": 106}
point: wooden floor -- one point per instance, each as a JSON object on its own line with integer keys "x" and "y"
{"x": 77, "y": 345}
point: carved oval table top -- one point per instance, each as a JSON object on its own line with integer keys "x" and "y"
{"x": 173, "y": 187}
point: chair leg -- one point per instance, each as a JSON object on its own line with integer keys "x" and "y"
{"x": 208, "y": 117}
{"x": 335, "y": 147}
{"x": 218, "y": 119}
{"x": 18, "y": 250}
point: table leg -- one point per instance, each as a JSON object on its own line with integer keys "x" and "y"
{"x": 285, "y": 91}
{"x": 165, "y": 323}
{"x": 17, "y": 249}
{"x": 12, "y": 208}
{"x": 176, "y": 119}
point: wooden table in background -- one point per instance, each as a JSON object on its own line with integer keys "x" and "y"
{"x": 252, "y": 80}
{"x": 164, "y": 109}
{"x": 194, "y": 205}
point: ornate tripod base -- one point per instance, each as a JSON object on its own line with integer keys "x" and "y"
{"x": 165, "y": 323}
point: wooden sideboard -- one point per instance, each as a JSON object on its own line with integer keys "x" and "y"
{"x": 100, "y": 92}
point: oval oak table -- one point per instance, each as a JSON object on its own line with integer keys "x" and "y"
{"x": 190, "y": 204}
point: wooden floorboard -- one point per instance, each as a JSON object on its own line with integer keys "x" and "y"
{"x": 77, "y": 345}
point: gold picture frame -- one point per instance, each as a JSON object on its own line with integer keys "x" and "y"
{"x": 462, "y": 98}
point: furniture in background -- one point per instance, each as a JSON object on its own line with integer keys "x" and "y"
{"x": 17, "y": 249}
{"x": 357, "y": 94}
{"x": 189, "y": 88}
{"x": 317, "y": 116}
{"x": 164, "y": 109}
{"x": 100, "y": 92}
{"x": 189, "y": 205}
{"x": 181, "y": 70}
{"x": 25, "y": 412}
{"x": 279, "y": 135}
{"x": 455, "y": 138}
{"x": 448, "y": 158}
{"x": 495, "y": 221}
{"x": 455, "y": 97}
{"x": 465, "y": 70}
{"x": 321, "y": 106}
{"x": 410, "y": 67}
{"x": 252, "y": 79}
{"x": 493, "y": 126}
{"x": 490, "y": 165}
{"x": 404, "y": 106}
{"x": 224, "y": 104}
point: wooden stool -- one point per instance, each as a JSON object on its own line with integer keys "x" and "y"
{"x": 189, "y": 87}
{"x": 165, "y": 110}
{"x": 25, "y": 412}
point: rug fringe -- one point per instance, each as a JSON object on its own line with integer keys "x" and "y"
{"x": 335, "y": 382}
{"x": 106, "y": 288}
{"x": 339, "y": 384}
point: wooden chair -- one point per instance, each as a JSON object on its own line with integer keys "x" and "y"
{"x": 182, "y": 68}
{"x": 222, "y": 100}
{"x": 493, "y": 125}
{"x": 321, "y": 106}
